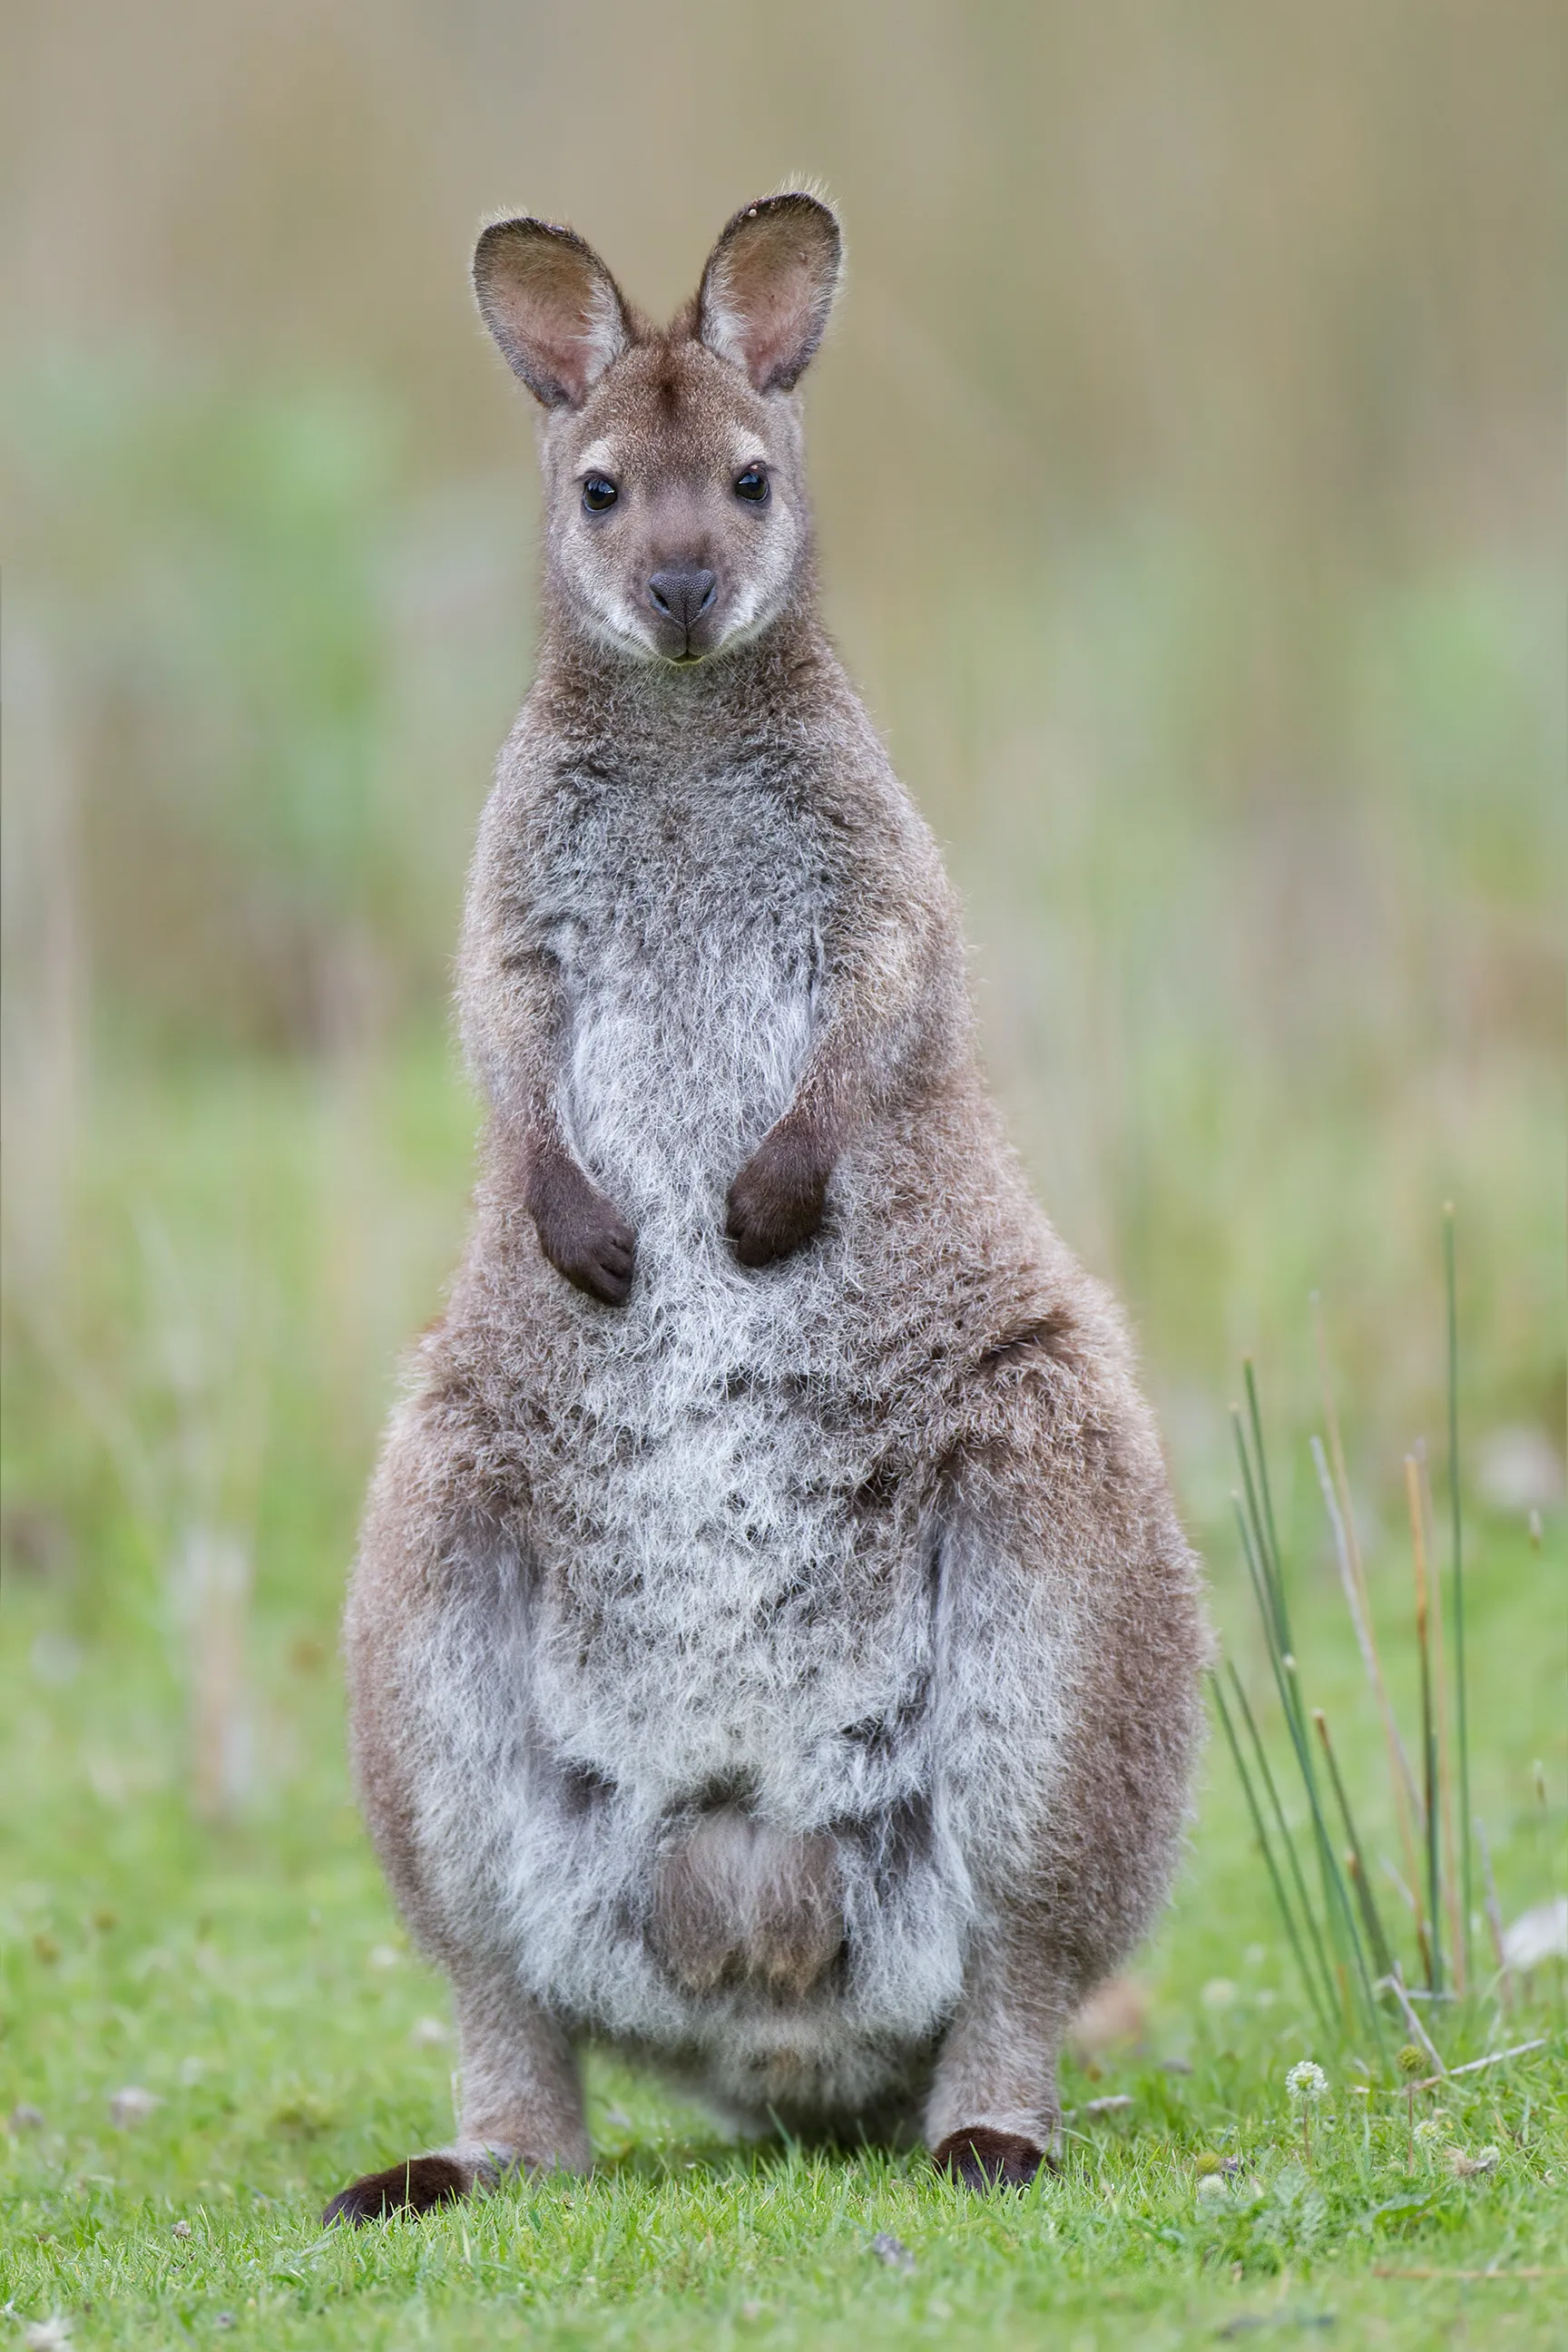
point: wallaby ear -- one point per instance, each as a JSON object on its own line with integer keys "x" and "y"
{"x": 552, "y": 307}
{"x": 769, "y": 287}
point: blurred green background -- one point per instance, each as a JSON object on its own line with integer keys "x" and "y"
{"x": 1187, "y": 459}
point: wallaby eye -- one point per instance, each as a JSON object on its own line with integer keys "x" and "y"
{"x": 752, "y": 484}
{"x": 599, "y": 493}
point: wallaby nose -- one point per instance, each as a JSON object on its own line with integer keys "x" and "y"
{"x": 682, "y": 593}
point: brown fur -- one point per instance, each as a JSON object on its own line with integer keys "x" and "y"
{"x": 841, "y": 1448}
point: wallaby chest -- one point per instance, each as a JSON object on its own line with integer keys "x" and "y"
{"x": 685, "y": 914}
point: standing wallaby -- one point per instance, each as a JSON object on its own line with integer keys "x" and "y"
{"x": 773, "y": 1650}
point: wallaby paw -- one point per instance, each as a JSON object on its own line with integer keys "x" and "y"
{"x": 982, "y": 2158}
{"x": 416, "y": 2186}
{"x": 583, "y": 1234}
{"x": 777, "y": 1201}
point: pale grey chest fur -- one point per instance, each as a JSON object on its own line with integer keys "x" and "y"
{"x": 720, "y": 1610}
{"x": 686, "y": 923}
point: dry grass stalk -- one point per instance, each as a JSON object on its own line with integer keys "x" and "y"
{"x": 1353, "y": 1582}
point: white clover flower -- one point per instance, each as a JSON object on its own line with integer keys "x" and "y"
{"x": 1306, "y": 2080}
{"x": 1428, "y": 2129}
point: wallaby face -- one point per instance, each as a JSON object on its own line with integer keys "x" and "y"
{"x": 772, "y": 1649}
{"x": 676, "y": 520}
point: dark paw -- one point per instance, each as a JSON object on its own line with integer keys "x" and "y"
{"x": 413, "y": 2187}
{"x": 583, "y": 1234}
{"x": 777, "y": 1201}
{"x": 982, "y": 2158}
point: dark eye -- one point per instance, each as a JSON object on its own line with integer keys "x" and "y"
{"x": 598, "y": 494}
{"x": 752, "y": 484}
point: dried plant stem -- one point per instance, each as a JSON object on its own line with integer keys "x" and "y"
{"x": 1395, "y": 1983}
{"x": 1428, "y": 1729}
{"x": 1473, "y": 2065}
{"x": 1353, "y": 1582}
{"x": 1457, "y": 1568}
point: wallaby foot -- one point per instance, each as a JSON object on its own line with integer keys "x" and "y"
{"x": 982, "y": 2158}
{"x": 415, "y": 2186}
{"x": 522, "y": 2112}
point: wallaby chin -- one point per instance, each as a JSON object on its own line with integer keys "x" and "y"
{"x": 772, "y": 1648}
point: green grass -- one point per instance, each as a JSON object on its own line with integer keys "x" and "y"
{"x": 214, "y": 1349}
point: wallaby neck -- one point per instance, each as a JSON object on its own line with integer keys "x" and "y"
{"x": 784, "y": 673}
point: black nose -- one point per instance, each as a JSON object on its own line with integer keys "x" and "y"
{"x": 683, "y": 594}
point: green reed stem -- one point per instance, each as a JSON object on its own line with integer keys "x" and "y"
{"x": 1428, "y": 1725}
{"x": 1256, "y": 1418}
{"x": 1451, "y": 1291}
{"x": 1288, "y": 1841}
{"x": 1370, "y": 1918}
{"x": 1281, "y": 1899}
{"x": 1339, "y": 1912}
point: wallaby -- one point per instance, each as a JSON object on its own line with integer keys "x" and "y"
{"x": 773, "y": 1651}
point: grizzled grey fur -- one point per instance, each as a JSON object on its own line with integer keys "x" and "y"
{"x": 772, "y": 1649}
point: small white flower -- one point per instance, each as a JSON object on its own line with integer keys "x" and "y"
{"x": 1306, "y": 2080}
{"x": 383, "y": 1956}
{"x": 428, "y": 2033}
{"x": 1218, "y": 1993}
{"x": 1537, "y": 1937}
{"x": 1213, "y": 2187}
{"x": 130, "y": 2106}
{"x": 1428, "y": 2130}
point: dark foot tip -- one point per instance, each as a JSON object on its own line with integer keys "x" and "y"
{"x": 982, "y": 2158}
{"x": 416, "y": 2186}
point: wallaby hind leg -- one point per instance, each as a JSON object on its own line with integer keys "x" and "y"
{"x": 434, "y": 1591}
{"x": 994, "y": 2115}
{"x": 521, "y": 2112}
{"x": 1070, "y": 1643}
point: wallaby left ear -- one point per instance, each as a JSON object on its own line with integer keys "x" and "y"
{"x": 769, "y": 287}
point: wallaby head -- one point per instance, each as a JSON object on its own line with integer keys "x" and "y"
{"x": 676, "y": 515}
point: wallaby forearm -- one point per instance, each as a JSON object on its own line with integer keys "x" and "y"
{"x": 513, "y": 1023}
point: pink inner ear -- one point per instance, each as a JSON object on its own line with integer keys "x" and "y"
{"x": 556, "y": 314}
{"x": 766, "y": 301}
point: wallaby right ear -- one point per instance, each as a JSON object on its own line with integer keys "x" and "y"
{"x": 552, "y": 307}
{"x": 769, "y": 287}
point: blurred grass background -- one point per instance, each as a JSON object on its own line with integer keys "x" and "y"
{"x": 1187, "y": 459}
